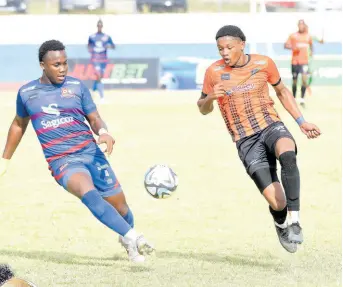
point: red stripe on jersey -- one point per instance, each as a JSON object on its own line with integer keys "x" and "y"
{"x": 70, "y": 151}
{"x": 62, "y": 139}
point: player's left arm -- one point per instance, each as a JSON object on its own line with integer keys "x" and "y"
{"x": 287, "y": 100}
{"x": 95, "y": 121}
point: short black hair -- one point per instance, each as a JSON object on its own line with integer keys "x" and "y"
{"x": 232, "y": 31}
{"x": 51, "y": 45}
{"x": 5, "y": 273}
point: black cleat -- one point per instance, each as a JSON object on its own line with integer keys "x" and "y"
{"x": 283, "y": 234}
{"x": 295, "y": 234}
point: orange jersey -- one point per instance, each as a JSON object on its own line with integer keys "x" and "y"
{"x": 247, "y": 107}
{"x": 300, "y": 43}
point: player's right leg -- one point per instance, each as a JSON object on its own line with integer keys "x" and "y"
{"x": 76, "y": 178}
{"x": 304, "y": 78}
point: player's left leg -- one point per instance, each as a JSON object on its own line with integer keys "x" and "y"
{"x": 106, "y": 182}
{"x": 304, "y": 79}
{"x": 281, "y": 143}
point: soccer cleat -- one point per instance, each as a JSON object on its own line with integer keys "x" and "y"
{"x": 283, "y": 234}
{"x": 131, "y": 249}
{"x": 143, "y": 246}
{"x": 295, "y": 234}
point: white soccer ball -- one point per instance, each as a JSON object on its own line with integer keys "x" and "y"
{"x": 160, "y": 181}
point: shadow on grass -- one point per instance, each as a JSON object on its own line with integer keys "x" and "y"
{"x": 216, "y": 258}
{"x": 63, "y": 258}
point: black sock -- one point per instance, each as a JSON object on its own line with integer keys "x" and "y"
{"x": 303, "y": 90}
{"x": 294, "y": 89}
{"x": 280, "y": 215}
{"x": 290, "y": 178}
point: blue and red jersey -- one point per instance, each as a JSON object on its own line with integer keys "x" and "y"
{"x": 98, "y": 44}
{"x": 58, "y": 115}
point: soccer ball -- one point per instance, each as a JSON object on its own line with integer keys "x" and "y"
{"x": 160, "y": 181}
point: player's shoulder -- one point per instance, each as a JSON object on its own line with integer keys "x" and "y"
{"x": 27, "y": 89}
{"x": 216, "y": 66}
{"x": 92, "y": 36}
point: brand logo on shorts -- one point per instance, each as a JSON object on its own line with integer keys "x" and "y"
{"x": 280, "y": 129}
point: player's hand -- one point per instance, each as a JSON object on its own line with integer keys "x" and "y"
{"x": 310, "y": 130}
{"x": 3, "y": 166}
{"x": 218, "y": 91}
{"x": 108, "y": 140}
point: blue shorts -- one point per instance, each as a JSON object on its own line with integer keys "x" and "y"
{"x": 100, "y": 68}
{"x": 97, "y": 167}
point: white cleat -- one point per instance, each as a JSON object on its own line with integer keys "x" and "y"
{"x": 132, "y": 251}
{"x": 143, "y": 246}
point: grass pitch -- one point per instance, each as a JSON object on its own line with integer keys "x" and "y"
{"x": 215, "y": 231}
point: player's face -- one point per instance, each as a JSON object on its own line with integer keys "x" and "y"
{"x": 231, "y": 49}
{"x": 100, "y": 27}
{"x": 55, "y": 66}
{"x": 302, "y": 27}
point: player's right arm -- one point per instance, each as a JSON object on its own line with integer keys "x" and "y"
{"x": 90, "y": 45}
{"x": 15, "y": 134}
{"x": 209, "y": 94}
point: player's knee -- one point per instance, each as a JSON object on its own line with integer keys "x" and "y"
{"x": 264, "y": 177}
{"x": 288, "y": 160}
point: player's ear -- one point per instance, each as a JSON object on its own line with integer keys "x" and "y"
{"x": 242, "y": 45}
{"x": 42, "y": 65}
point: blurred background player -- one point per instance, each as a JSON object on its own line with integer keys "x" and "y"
{"x": 239, "y": 83}
{"x": 58, "y": 105}
{"x": 98, "y": 44}
{"x": 8, "y": 279}
{"x": 300, "y": 43}
{"x": 310, "y": 54}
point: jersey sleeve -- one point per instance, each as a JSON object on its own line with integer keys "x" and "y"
{"x": 110, "y": 41}
{"x": 90, "y": 41}
{"x": 207, "y": 87}
{"x": 273, "y": 73}
{"x": 21, "y": 109}
{"x": 88, "y": 105}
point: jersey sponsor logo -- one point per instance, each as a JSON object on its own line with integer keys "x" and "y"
{"x": 240, "y": 88}
{"x": 67, "y": 93}
{"x": 56, "y": 123}
{"x": 28, "y": 89}
{"x": 225, "y": 77}
{"x": 51, "y": 110}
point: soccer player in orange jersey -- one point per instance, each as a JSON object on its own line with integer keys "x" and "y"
{"x": 301, "y": 45}
{"x": 239, "y": 83}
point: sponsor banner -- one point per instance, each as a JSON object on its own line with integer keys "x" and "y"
{"x": 118, "y": 73}
{"x": 188, "y": 73}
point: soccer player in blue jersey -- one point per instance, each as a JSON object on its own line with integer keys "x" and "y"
{"x": 58, "y": 106}
{"x": 98, "y": 44}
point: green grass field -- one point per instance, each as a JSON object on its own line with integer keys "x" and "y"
{"x": 215, "y": 231}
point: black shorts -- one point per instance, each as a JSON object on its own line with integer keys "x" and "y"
{"x": 258, "y": 150}
{"x": 299, "y": 69}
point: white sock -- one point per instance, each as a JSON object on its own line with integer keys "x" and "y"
{"x": 131, "y": 235}
{"x": 295, "y": 216}
{"x": 283, "y": 225}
